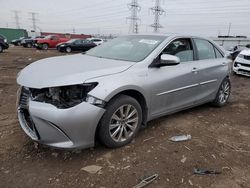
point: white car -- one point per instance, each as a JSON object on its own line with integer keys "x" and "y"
{"x": 242, "y": 63}
{"x": 97, "y": 41}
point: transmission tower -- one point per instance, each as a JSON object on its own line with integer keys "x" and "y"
{"x": 34, "y": 19}
{"x": 134, "y": 7}
{"x": 157, "y": 11}
{"x": 16, "y": 17}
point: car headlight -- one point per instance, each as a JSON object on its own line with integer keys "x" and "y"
{"x": 5, "y": 40}
{"x": 241, "y": 56}
{"x": 61, "y": 45}
{"x": 64, "y": 96}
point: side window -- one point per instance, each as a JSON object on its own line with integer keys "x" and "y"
{"x": 218, "y": 53}
{"x": 54, "y": 38}
{"x": 181, "y": 48}
{"x": 205, "y": 49}
{"x": 78, "y": 42}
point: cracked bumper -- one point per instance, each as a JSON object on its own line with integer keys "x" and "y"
{"x": 61, "y": 128}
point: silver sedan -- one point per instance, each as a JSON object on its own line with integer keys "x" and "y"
{"x": 112, "y": 90}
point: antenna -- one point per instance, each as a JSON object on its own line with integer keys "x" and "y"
{"x": 134, "y": 7}
{"x": 157, "y": 11}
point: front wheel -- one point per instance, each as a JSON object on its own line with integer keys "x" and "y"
{"x": 223, "y": 93}
{"x": 68, "y": 50}
{"x": 45, "y": 46}
{"x": 121, "y": 121}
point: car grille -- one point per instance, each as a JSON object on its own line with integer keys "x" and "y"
{"x": 246, "y": 57}
{"x": 243, "y": 64}
{"x": 24, "y": 98}
{"x": 24, "y": 115}
{"x": 245, "y": 72}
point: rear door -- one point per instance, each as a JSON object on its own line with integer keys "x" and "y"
{"x": 175, "y": 87}
{"x": 213, "y": 69}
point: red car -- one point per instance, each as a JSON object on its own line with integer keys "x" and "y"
{"x": 49, "y": 41}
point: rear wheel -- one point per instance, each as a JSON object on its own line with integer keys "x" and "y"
{"x": 223, "y": 93}
{"x": 29, "y": 45}
{"x": 121, "y": 121}
{"x": 68, "y": 49}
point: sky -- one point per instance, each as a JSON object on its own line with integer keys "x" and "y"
{"x": 196, "y": 17}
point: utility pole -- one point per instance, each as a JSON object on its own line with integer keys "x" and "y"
{"x": 136, "y": 28}
{"x": 229, "y": 29}
{"x": 134, "y": 7}
{"x": 34, "y": 19}
{"x": 16, "y": 17}
{"x": 74, "y": 30}
{"x": 157, "y": 11}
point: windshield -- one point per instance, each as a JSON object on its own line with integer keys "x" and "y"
{"x": 48, "y": 36}
{"x": 71, "y": 40}
{"x": 128, "y": 48}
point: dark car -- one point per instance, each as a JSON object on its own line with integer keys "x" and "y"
{"x": 17, "y": 42}
{"x": 29, "y": 42}
{"x": 3, "y": 43}
{"x": 76, "y": 45}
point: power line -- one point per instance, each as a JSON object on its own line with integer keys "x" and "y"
{"x": 157, "y": 11}
{"x": 34, "y": 19}
{"x": 134, "y": 7}
{"x": 16, "y": 17}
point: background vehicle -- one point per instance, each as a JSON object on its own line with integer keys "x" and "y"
{"x": 242, "y": 63}
{"x": 29, "y": 42}
{"x": 114, "y": 88}
{"x": 97, "y": 41}
{"x": 3, "y": 43}
{"x": 76, "y": 45}
{"x": 49, "y": 41}
{"x": 17, "y": 42}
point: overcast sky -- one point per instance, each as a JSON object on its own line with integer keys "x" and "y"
{"x": 198, "y": 17}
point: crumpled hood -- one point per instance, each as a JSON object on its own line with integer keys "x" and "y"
{"x": 68, "y": 70}
{"x": 245, "y": 52}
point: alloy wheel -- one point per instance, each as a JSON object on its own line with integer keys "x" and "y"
{"x": 123, "y": 123}
{"x": 224, "y": 92}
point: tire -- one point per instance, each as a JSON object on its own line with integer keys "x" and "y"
{"x": 45, "y": 46}
{"x": 68, "y": 49}
{"x": 1, "y": 49}
{"x": 29, "y": 45}
{"x": 19, "y": 44}
{"x": 116, "y": 131}
{"x": 223, "y": 93}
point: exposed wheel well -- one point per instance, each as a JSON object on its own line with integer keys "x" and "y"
{"x": 140, "y": 98}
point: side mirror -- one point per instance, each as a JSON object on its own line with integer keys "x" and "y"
{"x": 169, "y": 60}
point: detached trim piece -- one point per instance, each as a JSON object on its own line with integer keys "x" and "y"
{"x": 207, "y": 82}
{"x": 186, "y": 87}
{"x": 178, "y": 89}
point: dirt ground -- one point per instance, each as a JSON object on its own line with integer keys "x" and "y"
{"x": 220, "y": 141}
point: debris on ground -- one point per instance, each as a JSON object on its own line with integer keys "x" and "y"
{"x": 205, "y": 172}
{"x": 180, "y": 138}
{"x": 146, "y": 181}
{"x": 183, "y": 160}
{"x": 92, "y": 169}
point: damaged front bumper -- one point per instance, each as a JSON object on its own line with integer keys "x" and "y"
{"x": 70, "y": 128}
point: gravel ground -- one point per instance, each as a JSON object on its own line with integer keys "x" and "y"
{"x": 220, "y": 141}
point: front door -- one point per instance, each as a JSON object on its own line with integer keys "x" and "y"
{"x": 175, "y": 87}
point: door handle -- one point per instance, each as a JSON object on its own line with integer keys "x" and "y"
{"x": 195, "y": 70}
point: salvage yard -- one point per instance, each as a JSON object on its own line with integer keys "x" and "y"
{"x": 220, "y": 141}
